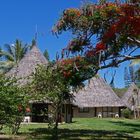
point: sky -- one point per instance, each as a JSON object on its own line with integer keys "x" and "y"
{"x": 19, "y": 19}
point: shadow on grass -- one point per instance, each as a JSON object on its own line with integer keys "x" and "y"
{"x": 132, "y": 127}
{"x": 81, "y": 134}
{"x": 85, "y": 134}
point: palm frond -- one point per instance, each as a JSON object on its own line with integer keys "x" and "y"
{"x": 7, "y": 56}
{"x": 10, "y": 49}
{"x": 0, "y": 52}
{"x": 12, "y": 54}
{"x": 5, "y": 66}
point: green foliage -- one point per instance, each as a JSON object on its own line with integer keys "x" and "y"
{"x": 12, "y": 54}
{"x": 136, "y": 63}
{"x": 46, "y": 54}
{"x": 102, "y": 35}
{"x": 132, "y": 75}
{"x": 48, "y": 84}
{"x": 120, "y": 91}
{"x": 12, "y": 103}
{"x": 126, "y": 113}
{"x": 137, "y": 73}
{"x": 0, "y": 52}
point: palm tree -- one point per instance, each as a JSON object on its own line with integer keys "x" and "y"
{"x": 0, "y": 51}
{"x": 136, "y": 63}
{"x": 46, "y": 54}
{"x": 12, "y": 54}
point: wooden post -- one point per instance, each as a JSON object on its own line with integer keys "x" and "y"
{"x": 65, "y": 115}
{"x": 135, "y": 113}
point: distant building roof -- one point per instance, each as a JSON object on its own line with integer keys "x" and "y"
{"x": 131, "y": 96}
{"x": 97, "y": 94}
{"x": 28, "y": 64}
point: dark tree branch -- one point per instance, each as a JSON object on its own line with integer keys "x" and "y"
{"x": 116, "y": 63}
{"x": 133, "y": 50}
{"x": 135, "y": 41}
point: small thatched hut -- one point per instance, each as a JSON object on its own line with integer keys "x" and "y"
{"x": 131, "y": 98}
{"x": 23, "y": 71}
{"x": 96, "y": 98}
{"x": 27, "y": 65}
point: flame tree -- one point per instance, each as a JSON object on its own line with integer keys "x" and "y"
{"x": 104, "y": 35}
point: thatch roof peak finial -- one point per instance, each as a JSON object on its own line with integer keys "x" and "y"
{"x": 34, "y": 43}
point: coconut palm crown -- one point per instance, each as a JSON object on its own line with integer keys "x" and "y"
{"x": 12, "y": 54}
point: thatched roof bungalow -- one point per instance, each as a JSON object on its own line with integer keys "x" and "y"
{"x": 97, "y": 97}
{"x": 27, "y": 65}
{"x": 23, "y": 71}
{"x": 131, "y": 98}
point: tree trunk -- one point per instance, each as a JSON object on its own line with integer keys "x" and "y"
{"x": 137, "y": 112}
{"x": 55, "y": 129}
{"x": 16, "y": 126}
{"x": 55, "y": 137}
{"x": 135, "y": 117}
{"x": 1, "y": 127}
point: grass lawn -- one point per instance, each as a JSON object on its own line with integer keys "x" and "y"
{"x": 84, "y": 129}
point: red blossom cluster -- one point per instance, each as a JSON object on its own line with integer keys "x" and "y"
{"x": 93, "y": 51}
{"x": 70, "y": 61}
{"x": 67, "y": 66}
{"x": 67, "y": 74}
{"x": 71, "y": 13}
{"x": 21, "y": 108}
{"x": 100, "y": 47}
{"x": 134, "y": 24}
{"x": 128, "y": 22}
{"x": 76, "y": 44}
{"x": 90, "y": 53}
{"x": 111, "y": 23}
{"x": 28, "y": 109}
{"x": 68, "y": 16}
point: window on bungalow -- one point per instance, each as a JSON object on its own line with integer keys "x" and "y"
{"x": 84, "y": 110}
{"x": 110, "y": 109}
{"x": 104, "y": 109}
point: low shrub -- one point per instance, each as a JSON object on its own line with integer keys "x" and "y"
{"x": 126, "y": 113}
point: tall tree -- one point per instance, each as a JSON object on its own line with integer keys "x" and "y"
{"x": 46, "y": 54}
{"x": 13, "y": 101}
{"x": 49, "y": 84}
{"x": 132, "y": 74}
{"x": 104, "y": 35}
{"x": 12, "y": 54}
{"x": 137, "y": 71}
{"x": 127, "y": 78}
{"x": 0, "y": 52}
{"x": 112, "y": 80}
{"x": 138, "y": 77}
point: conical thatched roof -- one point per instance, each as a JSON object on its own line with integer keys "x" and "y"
{"x": 97, "y": 94}
{"x": 131, "y": 96}
{"x": 28, "y": 64}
